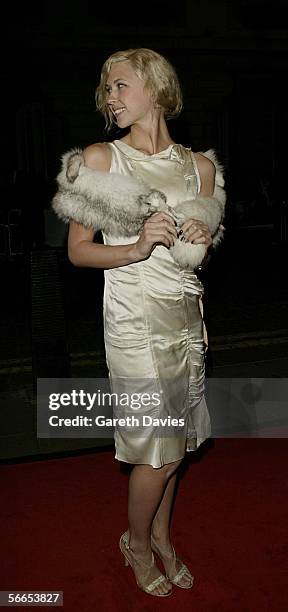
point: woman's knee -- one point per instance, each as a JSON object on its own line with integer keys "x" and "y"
{"x": 170, "y": 468}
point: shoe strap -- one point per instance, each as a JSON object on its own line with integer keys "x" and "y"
{"x": 133, "y": 555}
{"x": 182, "y": 572}
{"x": 155, "y": 583}
{"x": 183, "y": 569}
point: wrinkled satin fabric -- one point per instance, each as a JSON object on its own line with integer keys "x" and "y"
{"x": 154, "y": 333}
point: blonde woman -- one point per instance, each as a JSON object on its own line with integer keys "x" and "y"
{"x": 152, "y": 308}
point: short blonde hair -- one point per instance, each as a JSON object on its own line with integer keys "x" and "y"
{"x": 160, "y": 79}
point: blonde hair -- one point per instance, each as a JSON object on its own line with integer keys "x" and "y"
{"x": 160, "y": 79}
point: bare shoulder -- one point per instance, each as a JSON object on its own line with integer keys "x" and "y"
{"x": 205, "y": 165}
{"x": 98, "y": 156}
{"x": 207, "y": 173}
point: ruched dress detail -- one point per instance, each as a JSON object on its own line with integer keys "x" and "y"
{"x": 153, "y": 323}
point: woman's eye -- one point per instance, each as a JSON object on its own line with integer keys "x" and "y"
{"x": 109, "y": 89}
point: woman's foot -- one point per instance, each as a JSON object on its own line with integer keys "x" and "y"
{"x": 176, "y": 571}
{"x": 147, "y": 574}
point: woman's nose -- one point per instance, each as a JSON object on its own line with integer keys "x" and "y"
{"x": 112, "y": 97}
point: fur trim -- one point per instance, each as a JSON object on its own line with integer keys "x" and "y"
{"x": 118, "y": 205}
{"x": 113, "y": 203}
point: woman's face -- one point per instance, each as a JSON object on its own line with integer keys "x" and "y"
{"x": 126, "y": 97}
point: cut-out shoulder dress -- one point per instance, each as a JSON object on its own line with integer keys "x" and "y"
{"x": 153, "y": 325}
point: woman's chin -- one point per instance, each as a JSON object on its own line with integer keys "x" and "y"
{"x": 122, "y": 122}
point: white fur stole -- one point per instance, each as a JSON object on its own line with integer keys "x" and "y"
{"x": 119, "y": 204}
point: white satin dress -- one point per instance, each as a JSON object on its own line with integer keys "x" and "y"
{"x": 153, "y": 325}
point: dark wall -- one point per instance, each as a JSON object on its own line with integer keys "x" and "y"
{"x": 231, "y": 58}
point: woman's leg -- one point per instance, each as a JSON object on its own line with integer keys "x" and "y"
{"x": 162, "y": 518}
{"x": 146, "y": 488}
{"x": 161, "y": 530}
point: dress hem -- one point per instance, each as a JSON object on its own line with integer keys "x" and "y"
{"x": 187, "y": 450}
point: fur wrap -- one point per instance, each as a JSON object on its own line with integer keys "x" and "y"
{"x": 119, "y": 204}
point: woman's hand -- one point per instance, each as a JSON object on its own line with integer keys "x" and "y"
{"x": 160, "y": 228}
{"x": 196, "y": 232}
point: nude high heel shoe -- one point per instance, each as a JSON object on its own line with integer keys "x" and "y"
{"x": 183, "y": 571}
{"x": 142, "y": 571}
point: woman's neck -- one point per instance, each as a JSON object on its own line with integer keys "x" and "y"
{"x": 151, "y": 139}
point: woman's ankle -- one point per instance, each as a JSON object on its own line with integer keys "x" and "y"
{"x": 161, "y": 538}
{"x": 141, "y": 547}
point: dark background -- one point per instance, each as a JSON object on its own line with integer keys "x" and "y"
{"x": 231, "y": 58}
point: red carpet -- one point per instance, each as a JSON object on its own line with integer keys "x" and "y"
{"x": 61, "y": 520}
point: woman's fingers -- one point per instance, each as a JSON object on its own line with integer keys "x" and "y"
{"x": 193, "y": 223}
{"x": 159, "y": 234}
{"x": 196, "y": 232}
{"x": 160, "y": 223}
{"x": 159, "y": 216}
{"x": 160, "y": 228}
{"x": 197, "y": 236}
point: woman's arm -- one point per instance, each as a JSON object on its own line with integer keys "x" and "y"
{"x": 207, "y": 173}
{"x": 194, "y": 230}
{"x": 83, "y": 252}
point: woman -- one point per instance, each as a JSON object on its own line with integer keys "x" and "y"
{"x": 152, "y": 309}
